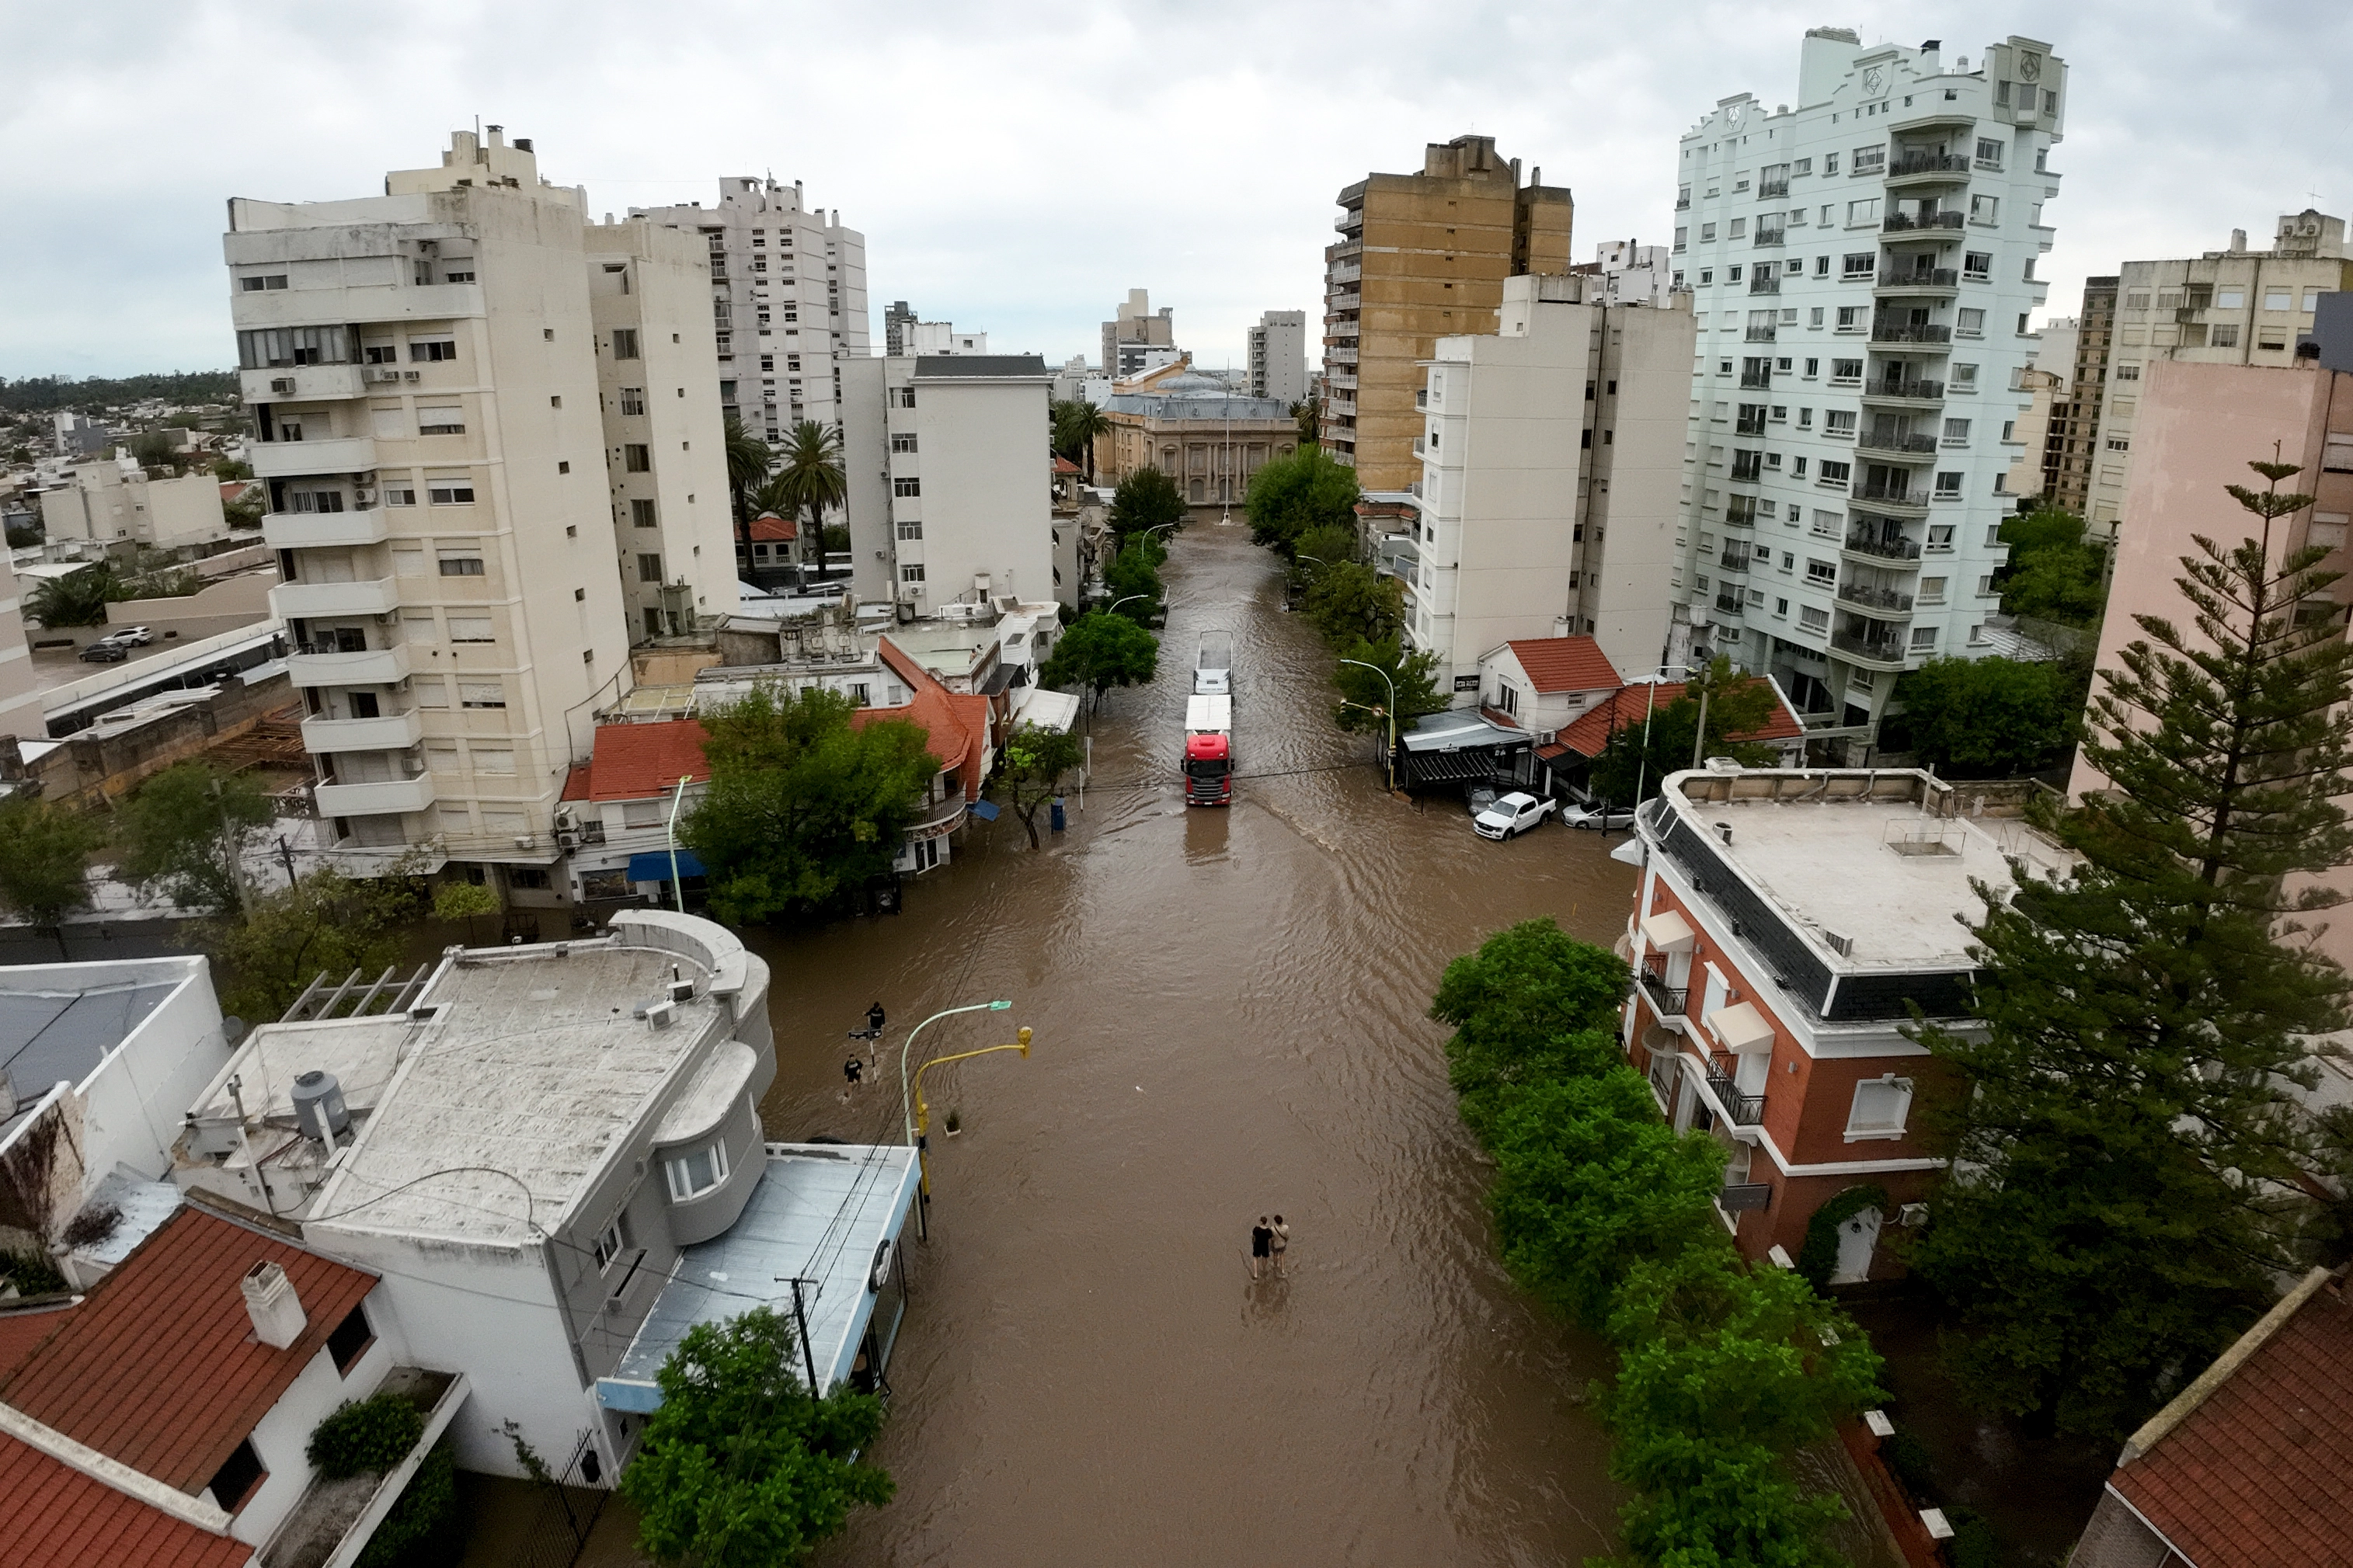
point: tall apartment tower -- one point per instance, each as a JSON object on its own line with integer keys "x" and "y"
{"x": 951, "y": 480}
{"x": 423, "y": 369}
{"x": 1131, "y": 332}
{"x": 1863, "y": 270}
{"x": 1277, "y": 356}
{"x": 2226, "y": 307}
{"x": 1422, "y": 257}
{"x": 787, "y": 301}
{"x": 2074, "y": 428}
{"x": 896, "y": 321}
{"x": 1551, "y": 460}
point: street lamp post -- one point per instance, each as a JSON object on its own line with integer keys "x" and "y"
{"x": 1649, "y": 706}
{"x": 1116, "y": 603}
{"x": 1391, "y": 755}
{"x": 907, "y": 1102}
{"x": 677, "y": 885}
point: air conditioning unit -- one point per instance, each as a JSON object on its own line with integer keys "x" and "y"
{"x": 524, "y": 841}
{"x": 382, "y": 372}
{"x": 411, "y": 375}
{"x": 1546, "y": 737}
{"x": 567, "y": 820}
{"x": 283, "y": 386}
{"x": 363, "y": 497}
{"x": 567, "y": 840}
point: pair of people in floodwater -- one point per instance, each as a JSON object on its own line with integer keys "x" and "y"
{"x": 1269, "y": 1240}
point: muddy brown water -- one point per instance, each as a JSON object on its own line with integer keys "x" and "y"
{"x": 1229, "y": 1009}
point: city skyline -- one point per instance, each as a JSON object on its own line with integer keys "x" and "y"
{"x": 1008, "y": 116}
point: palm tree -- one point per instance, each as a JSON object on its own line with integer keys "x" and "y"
{"x": 1076, "y": 423}
{"x": 77, "y": 599}
{"x": 748, "y": 462}
{"x": 811, "y": 477}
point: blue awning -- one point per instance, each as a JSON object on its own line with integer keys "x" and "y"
{"x": 985, "y": 810}
{"x": 655, "y": 866}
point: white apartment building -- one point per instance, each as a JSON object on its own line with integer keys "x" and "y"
{"x": 20, "y": 700}
{"x": 941, "y": 338}
{"x": 787, "y": 301}
{"x": 951, "y": 482}
{"x": 1277, "y": 356}
{"x": 102, "y": 503}
{"x": 423, "y": 367}
{"x": 665, "y": 437}
{"x": 1632, "y": 273}
{"x": 1864, "y": 267}
{"x": 2226, "y": 307}
{"x": 1550, "y": 462}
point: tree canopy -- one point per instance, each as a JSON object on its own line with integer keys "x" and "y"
{"x": 77, "y": 599}
{"x": 740, "y": 1468}
{"x": 1075, "y": 423}
{"x": 326, "y": 922}
{"x": 1412, "y": 681}
{"x": 2052, "y": 573}
{"x": 1308, "y": 490}
{"x": 45, "y": 852}
{"x": 1133, "y": 573}
{"x": 1147, "y": 499}
{"x": 1350, "y": 600}
{"x": 1102, "y": 651}
{"x": 1988, "y": 717}
{"x": 810, "y": 477}
{"x": 1037, "y": 761}
{"x": 1738, "y": 704}
{"x": 182, "y": 830}
{"x": 804, "y": 806}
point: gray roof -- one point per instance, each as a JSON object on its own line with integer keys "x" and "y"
{"x": 935, "y": 367}
{"x": 1456, "y": 728}
{"x": 1210, "y": 407}
{"x": 50, "y": 1035}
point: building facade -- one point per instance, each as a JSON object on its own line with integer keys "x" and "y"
{"x": 1132, "y": 332}
{"x": 2074, "y": 428}
{"x": 787, "y": 301}
{"x": 2235, "y": 307}
{"x": 1422, "y": 257}
{"x": 1196, "y": 431}
{"x": 1630, "y": 273}
{"x": 20, "y": 699}
{"x": 1550, "y": 460}
{"x": 102, "y": 505}
{"x": 1864, "y": 267}
{"x": 1277, "y": 356}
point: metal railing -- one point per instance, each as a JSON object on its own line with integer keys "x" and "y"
{"x": 1922, "y": 390}
{"x": 1879, "y": 650}
{"x": 1744, "y": 1110}
{"x": 1898, "y": 223}
{"x": 1747, "y": 468}
{"x": 1908, "y": 332}
{"x": 1893, "y": 495}
{"x": 1875, "y": 598}
{"x": 1749, "y": 425}
{"x": 1670, "y": 1001}
{"x": 1766, "y": 188}
{"x": 1921, "y": 277}
{"x": 1886, "y": 548}
{"x": 1729, "y": 604}
{"x": 1765, "y": 283}
{"x": 1927, "y": 164}
{"x": 1908, "y": 446}
{"x": 1766, "y": 237}
{"x": 1757, "y": 380}
{"x": 1683, "y": 202}
{"x": 1760, "y": 336}
{"x": 1732, "y": 561}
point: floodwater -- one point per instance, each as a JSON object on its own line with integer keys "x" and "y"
{"x": 1229, "y": 1009}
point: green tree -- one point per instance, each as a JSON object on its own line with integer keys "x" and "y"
{"x": 45, "y": 852}
{"x": 1651, "y": 745}
{"x": 1989, "y": 718}
{"x": 156, "y": 450}
{"x": 1101, "y": 651}
{"x": 183, "y": 829}
{"x": 810, "y": 478}
{"x": 1131, "y": 574}
{"x": 325, "y": 923}
{"x": 77, "y": 599}
{"x": 804, "y": 804}
{"x": 1533, "y": 1003}
{"x": 836, "y": 539}
{"x": 1412, "y": 677}
{"x": 1351, "y": 601}
{"x": 740, "y": 1468}
{"x": 1147, "y": 499}
{"x": 1076, "y": 425}
{"x": 749, "y": 462}
{"x": 468, "y": 902}
{"x": 1035, "y": 762}
{"x": 1320, "y": 548}
{"x": 244, "y": 511}
{"x": 2145, "y": 1016}
{"x": 1291, "y": 495}
{"x": 2052, "y": 573}
{"x": 1308, "y": 413}
{"x": 230, "y": 468}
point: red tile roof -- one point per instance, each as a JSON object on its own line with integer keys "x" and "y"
{"x": 639, "y": 761}
{"x": 769, "y": 529}
{"x": 958, "y": 724}
{"x": 2254, "y": 1475}
{"x": 159, "y": 1367}
{"x": 59, "y": 1517}
{"x": 1064, "y": 465}
{"x": 1565, "y": 664}
{"x": 1627, "y": 706}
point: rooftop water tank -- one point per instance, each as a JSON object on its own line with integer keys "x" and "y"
{"x": 319, "y": 1107}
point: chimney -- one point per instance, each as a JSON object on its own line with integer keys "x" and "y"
{"x": 278, "y": 1317}
{"x": 2238, "y": 241}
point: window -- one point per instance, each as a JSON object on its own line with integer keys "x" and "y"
{"x": 633, "y": 400}
{"x": 1739, "y": 228}
{"x": 1820, "y": 571}
{"x": 910, "y": 575}
{"x": 2311, "y": 301}
{"x": 612, "y": 1241}
{"x": 1940, "y": 537}
{"x": 1989, "y": 153}
{"x": 483, "y": 694}
{"x": 1864, "y": 212}
{"x": 2126, "y": 372}
{"x": 1707, "y": 274}
{"x": 2278, "y": 300}
{"x": 1924, "y": 638}
{"x": 1838, "y": 422}
{"x": 637, "y": 458}
{"x": 2236, "y": 299}
{"x": 472, "y": 629}
{"x": 641, "y": 515}
{"x": 696, "y": 1172}
{"x": 910, "y": 528}
{"x": 1732, "y": 274}
{"x": 464, "y": 565}
{"x": 275, "y": 346}
{"x": 463, "y": 274}
{"x": 1968, "y": 323}
{"x": 1802, "y": 166}
{"x": 1813, "y": 619}
{"x": 1977, "y": 266}
{"x": 902, "y": 441}
{"x": 1805, "y": 418}
{"x": 1964, "y": 378}
{"x": 1949, "y": 486}
{"x": 906, "y": 485}
{"x": 1683, "y": 239}
{"x": 450, "y": 493}
{"x": 1850, "y": 317}
{"x": 235, "y": 1481}
{"x": 902, "y": 397}
{"x": 382, "y": 353}
{"x": 1835, "y": 473}
{"x": 447, "y": 420}
{"x": 256, "y": 285}
{"x": 1706, "y": 232}
{"x": 2223, "y": 335}
{"x": 2119, "y": 444}
{"x": 1932, "y": 590}
{"x": 351, "y": 1339}
{"x": 649, "y": 569}
{"x": 1830, "y": 163}
{"x": 2337, "y": 454}
{"x": 2271, "y": 338}
{"x": 2327, "y": 531}
{"x": 1870, "y": 160}
{"x": 2136, "y": 300}
{"x": 624, "y": 343}
{"x": 426, "y": 350}
{"x": 1985, "y": 209}
{"x": 1956, "y": 432}
{"x": 1822, "y": 265}
{"x": 1846, "y": 372}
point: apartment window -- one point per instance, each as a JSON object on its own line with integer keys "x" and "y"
{"x": 1989, "y": 153}
{"x": 450, "y": 493}
{"x": 2337, "y": 454}
{"x": 349, "y": 1340}
{"x": 317, "y": 500}
{"x": 234, "y": 1482}
{"x": 1871, "y": 160}
{"x": 463, "y": 274}
{"x": 637, "y": 458}
{"x": 2327, "y": 531}
{"x": 1859, "y": 264}
{"x": 1932, "y": 590}
{"x": 1846, "y": 372}
{"x": 2311, "y": 301}
{"x": 1850, "y": 317}
{"x": 1956, "y": 432}
{"x": 1814, "y": 317}
{"x": 906, "y": 485}
{"x": 1805, "y": 418}
{"x": 429, "y": 350}
{"x": 1835, "y": 473}
{"x": 1964, "y": 378}
{"x": 902, "y": 397}
{"x": 447, "y": 420}
{"x": 272, "y": 347}
{"x": 1813, "y": 619}
{"x": 2136, "y": 300}
{"x": 696, "y": 1172}
{"x": 611, "y": 1242}
{"x": 1802, "y": 166}
{"x": 1968, "y": 323}
{"x": 1706, "y": 232}
{"x": 1924, "y": 638}
{"x": 1780, "y": 609}
{"x": 2271, "y": 338}
{"x": 1706, "y": 275}
{"x": 910, "y": 528}
{"x": 257, "y": 285}
{"x": 1940, "y": 537}
{"x": 472, "y": 629}
{"x": 1864, "y": 212}
{"x": 1822, "y": 266}
{"x": 641, "y": 515}
{"x": 902, "y": 441}
{"x": 1732, "y": 274}
{"x": 381, "y": 354}
{"x": 1813, "y": 368}
{"x": 2126, "y": 372}
{"x": 633, "y": 400}
{"x": 467, "y": 565}
{"x": 1797, "y": 469}
{"x": 1830, "y": 163}
{"x": 2236, "y": 299}
{"x": 2223, "y": 335}
{"x": 1683, "y": 239}
{"x": 1739, "y": 228}
{"x": 1820, "y": 571}
{"x": 1977, "y": 266}
{"x": 1838, "y": 422}
{"x": 1985, "y": 209}
{"x": 910, "y": 574}
{"x": 2278, "y": 300}
{"x": 1949, "y": 486}
{"x": 624, "y": 343}
{"x": 649, "y": 569}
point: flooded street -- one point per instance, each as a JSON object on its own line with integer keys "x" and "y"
{"x": 1229, "y": 1009}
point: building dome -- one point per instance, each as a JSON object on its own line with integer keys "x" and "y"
{"x": 1191, "y": 383}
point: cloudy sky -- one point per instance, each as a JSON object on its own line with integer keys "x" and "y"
{"x": 1018, "y": 168}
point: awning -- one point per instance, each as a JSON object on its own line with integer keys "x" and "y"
{"x": 1667, "y": 932}
{"x": 654, "y": 865}
{"x": 985, "y": 810}
{"x": 1742, "y": 1028}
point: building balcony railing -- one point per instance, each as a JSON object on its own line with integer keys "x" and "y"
{"x": 1740, "y": 512}
{"x": 1767, "y": 189}
{"x": 1769, "y": 239}
{"x": 1747, "y": 468}
{"x": 307, "y": 601}
{"x": 1882, "y": 548}
{"x": 1749, "y": 425}
{"x": 324, "y": 530}
{"x": 1761, "y": 335}
{"x": 1904, "y": 501}
{"x": 1337, "y": 355}
{"x": 1909, "y": 332}
{"x": 377, "y": 798}
{"x": 1757, "y": 380}
{"x": 1869, "y": 597}
{"x": 1904, "y": 223}
{"x": 1919, "y": 390}
{"x": 1906, "y": 279}
{"x": 307, "y": 382}
{"x": 1734, "y": 561}
{"x": 388, "y": 732}
{"x": 940, "y": 818}
{"x": 1683, "y": 202}
{"x": 1728, "y": 604}
{"x": 1885, "y": 653}
{"x": 1743, "y": 1110}
{"x": 325, "y": 663}
{"x": 1763, "y": 282}
{"x": 286, "y": 459}
{"x": 1669, "y": 1001}
{"x": 1920, "y": 447}
{"x": 1912, "y": 165}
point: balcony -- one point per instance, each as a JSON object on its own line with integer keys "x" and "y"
{"x": 1879, "y": 653}
{"x": 1764, "y": 282}
{"x": 1904, "y": 448}
{"x": 323, "y": 530}
{"x": 1929, "y": 169}
{"x": 1337, "y": 355}
{"x": 323, "y": 664}
{"x": 1740, "y": 512}
{"x": 1926, "y": 222}
{"x": 1757, "y": 380}
{"x": 1683, "y": 202}
{"x": 311, "y": 601}
{"x": 1668, "y": 1001}
{"x": 1910, "y": 333}
{"x": 1351, "y": 222}
{"x": 1747, "y": 468}
{"x": 1869, "y": 597}
{"x": 1728, "y": 604}
{"x": 1888, "y": 498}
{"x": 1740, "y": 1110}
{"x": 1769, "y": 189}
{"x": 1332, "y": 329}
{"x": 940, "y": 818}
{"x": 1880, "y": 548}
{"x": 1942, "y": 280}
{"x": 1734, "y": 561}
{"x": 376, "y": 799}
{"x": 284, "y": 459}
{"x": 1915, "y": 390}
{"x": 1769, "y": 239}
{"x": 391, "y": 733}
{"x": 305, "y": 382}
{"x": 1760, "y": 336}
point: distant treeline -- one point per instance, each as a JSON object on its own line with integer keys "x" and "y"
{"x": 38, "y": 394}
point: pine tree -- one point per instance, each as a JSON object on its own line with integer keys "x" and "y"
{"x": 2125, "y": 1166}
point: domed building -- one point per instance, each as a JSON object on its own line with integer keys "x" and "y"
{"x": 1194, "y": 427}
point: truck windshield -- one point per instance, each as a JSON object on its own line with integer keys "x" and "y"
{"x": 1206, "y": 767}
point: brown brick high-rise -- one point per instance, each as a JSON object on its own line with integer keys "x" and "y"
{"x": 1422, "y": 257}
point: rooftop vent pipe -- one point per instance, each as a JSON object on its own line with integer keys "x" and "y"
{"x": 276, "y": 1312}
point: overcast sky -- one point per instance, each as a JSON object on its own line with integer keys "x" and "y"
{"x": 1018, "y": 168}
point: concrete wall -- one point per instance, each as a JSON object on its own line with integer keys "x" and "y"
{"x": 866, "y": 463}
{"x": 219, "y": 606}
{"x": 987, "y": 504}
{"x": 87, "y": 765}
{"x": 1635, "y": 501}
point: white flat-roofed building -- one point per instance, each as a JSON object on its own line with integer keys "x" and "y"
{"x": 1277, "y": 356}
{"x": 103, "y": 504}
{"x": 1864, "y": 267}
{"x": 1785, "y": 924}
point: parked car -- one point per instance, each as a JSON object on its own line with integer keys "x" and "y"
{"x": 1511, "y": 816}
{"x": 136, "y": 636}
{"x": 1479, "y": 797}
{"x": 104, "y": 652}
{"x": 1607, "y": 819}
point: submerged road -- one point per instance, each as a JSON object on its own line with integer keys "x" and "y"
{"x": 1230, "y": 1016}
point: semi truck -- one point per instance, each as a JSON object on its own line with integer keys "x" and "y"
{"x": 1213, "y": 668}
{"x": 1209, "y": 750}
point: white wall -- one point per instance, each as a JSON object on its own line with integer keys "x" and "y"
{"x": 285, "y": 1432}
{"x": 865, "y": 463}
{"x": 987, "y": 497}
